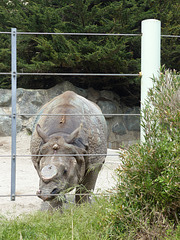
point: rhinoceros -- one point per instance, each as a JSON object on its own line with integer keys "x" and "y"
{"x": 68, "y": 147}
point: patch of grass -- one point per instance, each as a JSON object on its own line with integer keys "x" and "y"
{"x": 104, "y": 219}
{"x": 78, "y": 222}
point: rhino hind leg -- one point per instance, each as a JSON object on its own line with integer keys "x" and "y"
{"x": 83, "y": 192}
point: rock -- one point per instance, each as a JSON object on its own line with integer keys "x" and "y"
{"x": 31, "y": 101}
{"x": 20, "y": 92}
{"x": 5, "y": 97}
{"x": 119, "y": 128}
{"x": 81, "y": 92}
{"x": 93, "y": 95}
{"x": 54, "y": 91}
{"x": 107, "y": 95}
{"x": 62, "y": 87}
{"x": 5, "y": 124}
{"x": 132, "y": 123}
{"x": 111, "y": 96}
{"x": 30, "y": 125}
{"x": 2, "y": 112}
{"x": 107, "y": 107}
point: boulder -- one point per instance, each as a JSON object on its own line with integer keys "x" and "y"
{"x": 107, "y": 95}
{"x": 107, "y": 107}
{"x": 119, "y": 128}
{"x": 5, "y": 124}
{"x": 62, "y": 87}
{"x": 5, "y": 97}
{"x": 30, "y": 102}
{"x": 93, "y": 95}
{"x": 132, "y": 123}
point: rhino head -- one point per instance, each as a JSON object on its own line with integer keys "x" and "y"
{"x": 58, "y": 173}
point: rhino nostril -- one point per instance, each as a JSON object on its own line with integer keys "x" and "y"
{"x": 55, "y": 191}
{"x": 38, "y": 192}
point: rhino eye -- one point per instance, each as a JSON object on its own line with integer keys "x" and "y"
{"x": 65, "y": 171}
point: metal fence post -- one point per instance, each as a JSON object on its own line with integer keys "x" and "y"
{"x": 150, "y": 58}
{"x": 13, "y": 114}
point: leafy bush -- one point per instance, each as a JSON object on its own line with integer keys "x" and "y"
{"x": 148, "y": 199}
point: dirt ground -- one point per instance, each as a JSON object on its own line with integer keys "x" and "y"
{"x": 27, "y": 178}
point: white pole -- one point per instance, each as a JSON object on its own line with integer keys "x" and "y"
{"x": 150, "y": 57}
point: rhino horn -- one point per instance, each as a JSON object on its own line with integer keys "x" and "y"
{"x": 43, "y": 135}
{"x": 74, "y": 134}
{"x": 48, "y": 172}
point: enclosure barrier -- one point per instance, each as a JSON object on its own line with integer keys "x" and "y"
{"x": 150, "y": 65}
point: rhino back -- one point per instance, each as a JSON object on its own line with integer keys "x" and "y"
{"x": 82, "y": 111}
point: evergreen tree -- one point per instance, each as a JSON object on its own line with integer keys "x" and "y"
{"x": 93, "y": 54}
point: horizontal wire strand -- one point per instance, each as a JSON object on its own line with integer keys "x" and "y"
{"x": 75, "y": 74}
{"x": 83, "y": 74}
{"x": 70, "y": 194}
{"x": 171, "y": 36}
{"x": 81, "y": 34}
{"x": 51, "y": 115}
{"x": 61, "y": 155}
{"x": 88, "y": 34}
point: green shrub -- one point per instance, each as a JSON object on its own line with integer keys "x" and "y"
{"x": 148, "y": 200}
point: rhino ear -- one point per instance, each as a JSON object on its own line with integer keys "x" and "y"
{"x": 41, "y": 134}
{"x": 74, "y": 134}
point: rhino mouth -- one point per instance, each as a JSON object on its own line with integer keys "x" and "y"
{"x": 48, "y": 197}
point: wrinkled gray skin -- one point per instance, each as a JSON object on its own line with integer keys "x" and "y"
{"x": 71, "y": 135}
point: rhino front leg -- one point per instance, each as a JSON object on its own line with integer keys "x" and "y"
{"x": 54, "y": 205}
{"x": 88, "y": 184}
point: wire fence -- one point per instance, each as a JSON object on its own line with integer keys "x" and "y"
{"x": 14, "y": 74}
{"x": 64, "y": 155}
{"x": 56, "y": 195}
{"x": 89, "y": 34}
